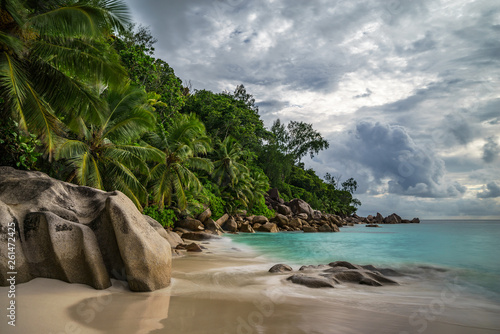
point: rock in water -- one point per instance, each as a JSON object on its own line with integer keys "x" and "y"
{"x": 280, "y": 268}
{"x": 311, "y": 282}
{"x": 78, "y": 234}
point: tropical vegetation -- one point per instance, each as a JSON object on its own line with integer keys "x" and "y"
{"x": 85, "y": 100}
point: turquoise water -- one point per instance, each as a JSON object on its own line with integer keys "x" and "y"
{"x": 469, "y": 249}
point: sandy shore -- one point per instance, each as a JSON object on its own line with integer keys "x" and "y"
{"x": 226, "y": 290}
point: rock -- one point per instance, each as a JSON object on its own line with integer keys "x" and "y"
{"x": 269, "y": 227}
{"x": 222, "y": 219}
{"x": 260, "y": 220}
{"x": 392, "y": 219}
{"x": 325, "y": 228}
{"x": 296, "y": 223}
{"x": 173, "y": 238}
{"x": 194, "y": 247}
{"x": 246, "y": 228}
{"x": 311, "y": 282}
{"x": 256, "y": 226}
{"x": 298, "y": 205}
{"x": 190, "y": 224}
{"x": 213, "y": 227}
{"x": 379, "y": 218}
{"x": 198, "y": 236}
{"x": 369, "y": 217}
{"x": 356, "y": 274}
{"x": 317, "y": 215}
{"x": 283, "y": 209}
{"x": 202, "y": 217}
{"x": 79, "y": 234}
{"x": 280, "y": 268}
{"x": 405, "y": 221}
{"x": 309, "y": 229}
{"x": 372, "y": 225}
{"x": 350, "y": 224}
{"x": 303, "y": 216}
{"x": 344, "y": 264}
{"x": 313, "y": 267}
{"x": 415, "y": 221}
{"x": 230, "y": 225}
{"x": 280, "y": 220}
{"x": 273, "y": 194}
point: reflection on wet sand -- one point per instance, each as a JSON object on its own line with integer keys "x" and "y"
{"x": 123, "y": 312}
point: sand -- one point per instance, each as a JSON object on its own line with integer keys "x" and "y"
{"x": 226, "y": 290}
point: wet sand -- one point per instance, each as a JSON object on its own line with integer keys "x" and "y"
{"x": 224, "y": 290}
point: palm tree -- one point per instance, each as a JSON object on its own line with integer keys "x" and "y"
{"x": 52, "y": 53}
{"x": 228, "y": 171}
{"x": 102, "y": 155}
{"x": 183, "y": 145}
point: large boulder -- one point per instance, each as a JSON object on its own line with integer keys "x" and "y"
{"x": 274, "y": 194}
{"x": 246, "y": 228}
{"x": 296, "y": 223}
{"x": 280, "y": 220}
{"x": 191, "y": 224}
{"x": 78, "y": 234}
{"x": 311, "y": 281}
{"x": 268, "y": 227}
{"x": 298, "y": 205}
{"x": 213, "y": 227}
{"x": 392, "y": 219}
{"x": 198, "y": 236}
{"x": 284, "y": 209}
{"x": 230, "y": 225}
{"x": 280, "y": 268}
{"x": 202, "y": 217}
{"x": 260, "y": 220}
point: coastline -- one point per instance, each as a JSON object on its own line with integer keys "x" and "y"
{"x": 226, "y": 290}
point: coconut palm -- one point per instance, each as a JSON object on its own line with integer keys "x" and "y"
{"x": 183, "y": 145}
{"x": 102, "y": 155}
{"x": 52, "y": 53}
{"x": 227, "y": 168}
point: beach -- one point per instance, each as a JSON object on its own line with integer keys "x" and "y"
{"x": 227, "y": 289}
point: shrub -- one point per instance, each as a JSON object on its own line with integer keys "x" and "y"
{"x": 165, "y": 217}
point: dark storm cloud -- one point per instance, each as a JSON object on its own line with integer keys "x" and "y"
{"x": 491, "y": 150}
{"x": 492, "y": 190}
{"x": 389, "y": 155}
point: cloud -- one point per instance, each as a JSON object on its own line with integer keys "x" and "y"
{"x": 427, "y": 72}
{"x": 492, "y": 190}
{"x": 391, "y": 160}
{"x": 490, "y": 150}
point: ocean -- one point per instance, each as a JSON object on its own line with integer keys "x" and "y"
{"x": 463, "y": 251}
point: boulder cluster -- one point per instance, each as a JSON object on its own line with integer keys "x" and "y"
{"x": 295, "y": 215}
{"x": 338, "y": 272}
{"x": 54, "y": 229}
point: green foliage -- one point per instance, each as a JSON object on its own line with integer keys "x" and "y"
{"x": 183, "y": 145}
{"x": 226, "y": 114}
{"x": 216, "y": 203}
{"x": 104, "y": 155}
{"x": 52, "y": 55}
{"x": 260, "y": 209}
{"x": 135, "y": 47}
{"x": 17, "y": 149}
{"x": 298, "y": 139}
{"x": 166, "y": 217}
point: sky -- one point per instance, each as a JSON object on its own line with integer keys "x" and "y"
{"x": 405, "y": 91}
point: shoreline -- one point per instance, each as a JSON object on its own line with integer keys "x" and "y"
{"x": 223, "y": 290}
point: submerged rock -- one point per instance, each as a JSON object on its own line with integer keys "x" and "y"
{"x": 280, "y": 268}
{"x": 310, "y": 281}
